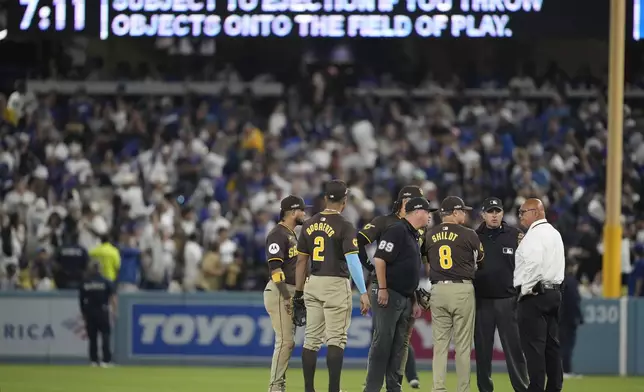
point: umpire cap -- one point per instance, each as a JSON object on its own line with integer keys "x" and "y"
{"x": 290, "y": 203}
{"x": 409, "y": 191}
{"x": 336, "y": 190}
{"x": 451, "y": 203}
{"x": 418, "y": 203}
{"x": 492, "y": 203}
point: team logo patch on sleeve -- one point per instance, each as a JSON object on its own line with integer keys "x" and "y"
{"x": 273, "y": 248}
{"x": 355, "y": 242}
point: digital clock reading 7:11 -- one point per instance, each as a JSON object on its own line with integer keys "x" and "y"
{"x": 43, "y": 13}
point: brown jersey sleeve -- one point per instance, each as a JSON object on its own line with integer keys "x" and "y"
{"x": 477, "y": 246}
{"x": 303, "y": 245}
{"x": 276, "y": 246}
{"x": 372, "y": 230}
{"x": 349, "y": 240}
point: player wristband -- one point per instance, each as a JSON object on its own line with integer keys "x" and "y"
{"x": 298, "y": 294}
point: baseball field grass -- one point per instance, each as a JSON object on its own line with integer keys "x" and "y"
{"x": 46, "y": 378}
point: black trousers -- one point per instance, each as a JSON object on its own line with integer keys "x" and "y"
{"x": 411, "y": 371}
{"x": 392, "y": 326}
{"x": 539, "y": 327}
{"x": 95, "y": 324}
{"x": 568, "y": 338}
{"x": 493, "y": 313}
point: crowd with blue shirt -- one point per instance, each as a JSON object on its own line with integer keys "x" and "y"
{"x": 186, "y": 189}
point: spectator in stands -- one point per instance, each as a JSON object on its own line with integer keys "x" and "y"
{"x": 234, "y": 275}
{"x": 21, "y": 101}
{"x": 130, "y": 270}
{"x": 7, "y": 114}
{"x": 41, "y": 274}
{"x": 227, "y": 247}
{"x": 11, "y": 238}
{"x": 50, "y": 233}
{"x": 192, "y": 258}
{"x": 92, "y": 226}
{"x": 212, "y": 270}
{"x": 9, "y": 280}
{"x": 159, "y": 262}
{"x": 213, "y": 224}
{"x": 108, "y": 257}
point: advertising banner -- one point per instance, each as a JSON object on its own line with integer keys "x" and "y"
{"x": 166, "y": 331}
{"x": 41, "y": 327}
{"x": 233, "y": 331}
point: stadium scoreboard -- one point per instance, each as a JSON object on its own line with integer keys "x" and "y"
{"x": 306, "y": 18}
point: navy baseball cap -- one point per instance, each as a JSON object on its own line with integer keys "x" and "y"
{"x": 336, "y": 190}
{"x": 492, "y": 203}
{"x": 418, "y": 203}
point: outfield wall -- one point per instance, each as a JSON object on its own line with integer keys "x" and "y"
{"x": 234, "y": 329}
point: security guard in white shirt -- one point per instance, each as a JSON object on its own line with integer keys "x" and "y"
{"x": 538, "y": 274}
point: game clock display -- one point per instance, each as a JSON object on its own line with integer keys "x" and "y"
{"x": 314, "y": 18}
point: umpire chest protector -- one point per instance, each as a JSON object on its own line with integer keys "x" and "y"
{"x": 495, "y": 280}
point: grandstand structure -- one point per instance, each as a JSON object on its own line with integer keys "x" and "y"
{"x": 178, "y": 151}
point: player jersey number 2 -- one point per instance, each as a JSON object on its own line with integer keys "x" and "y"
{"x": 445, "y": 257}
{"x": 318, "y": 250}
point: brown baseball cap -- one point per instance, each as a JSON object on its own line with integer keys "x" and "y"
{"x": 410, "y": 191}
{"x": 418, "y": 203}
{"x": 290, "y": 203}
{"x": 451, "y": 203}
{"x": 336, "y": 190}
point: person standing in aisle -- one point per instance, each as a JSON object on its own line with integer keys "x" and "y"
{"x": 496, "y": 299}
{"x": 453, "y": 252}
{"x": 372, "y": 233}
{"x": 539, "y": 272}
{"x": 281, "y": 255}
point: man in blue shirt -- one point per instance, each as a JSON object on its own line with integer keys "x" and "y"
{"x": 130, "y": 271}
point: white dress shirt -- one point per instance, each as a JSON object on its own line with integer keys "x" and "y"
{"x": 540, "y": 257}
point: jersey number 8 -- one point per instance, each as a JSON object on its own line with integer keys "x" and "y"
{"x": 445, "y": 254}
{"x": 387, "y": 246}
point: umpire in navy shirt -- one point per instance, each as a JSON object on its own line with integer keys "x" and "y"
{"x": 496, "y": 299}
{"x": 96, "y": 295}
{"x": 397, "y": 262}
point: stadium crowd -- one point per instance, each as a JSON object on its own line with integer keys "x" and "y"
{"x": 184, "y": 191}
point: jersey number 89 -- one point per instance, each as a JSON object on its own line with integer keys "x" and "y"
{"x": 445, "y": 256}
{"x": 386, "y": 246}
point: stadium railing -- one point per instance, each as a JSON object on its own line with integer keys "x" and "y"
{"x": 274, "y": 89}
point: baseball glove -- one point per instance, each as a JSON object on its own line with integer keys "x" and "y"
{"x": 299, "y": 312}
{"x": 422, "y": 298}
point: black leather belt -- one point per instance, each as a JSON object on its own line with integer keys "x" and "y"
{"x": 450, "y": 281}
{"x": 544, "y": 286}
